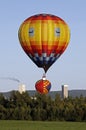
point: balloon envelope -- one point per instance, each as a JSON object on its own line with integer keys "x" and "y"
{"x": 43, "y": 86}
{"x": 44, "y": 37}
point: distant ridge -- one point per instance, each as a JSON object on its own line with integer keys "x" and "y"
{"x": 71, "y": 93}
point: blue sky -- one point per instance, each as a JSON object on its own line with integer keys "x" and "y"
{"x": 69, "y": 69}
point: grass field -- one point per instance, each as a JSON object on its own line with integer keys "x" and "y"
{"x": 38, "y": 125}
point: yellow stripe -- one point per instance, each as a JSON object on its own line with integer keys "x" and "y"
{"x": 44, "y": 34}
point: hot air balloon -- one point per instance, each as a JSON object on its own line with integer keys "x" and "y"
{"x": 44, "y": 37}
{"x": 43, "y": 86}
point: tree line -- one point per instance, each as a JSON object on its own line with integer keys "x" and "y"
{"x": 42, "y": 107}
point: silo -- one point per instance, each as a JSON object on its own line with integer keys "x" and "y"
{"x": 64, "y": 91}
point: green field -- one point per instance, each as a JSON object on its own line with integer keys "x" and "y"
{"x": 39, "y": 125}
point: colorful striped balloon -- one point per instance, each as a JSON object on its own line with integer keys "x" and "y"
{"x": 43, "y": 86}
{"x": 44, "y": 37}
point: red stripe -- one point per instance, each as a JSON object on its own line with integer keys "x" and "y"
{"x": 45, "y": 17}
{"x": 35, "y": 49}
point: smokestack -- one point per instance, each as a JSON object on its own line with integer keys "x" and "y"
{"x": 22, "y": 88}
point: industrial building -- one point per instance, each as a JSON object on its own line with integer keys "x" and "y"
{"x": 22, "y": 88}
{"x": 64, "y": 91}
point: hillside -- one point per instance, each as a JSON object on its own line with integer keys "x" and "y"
{"x": 72, "y": 93}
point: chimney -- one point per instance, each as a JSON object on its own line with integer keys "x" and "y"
{"x": 22, "y": 88}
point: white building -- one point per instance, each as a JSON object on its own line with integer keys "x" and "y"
{"x": 22, "y": 88}
{"x": 64, "y": 91}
